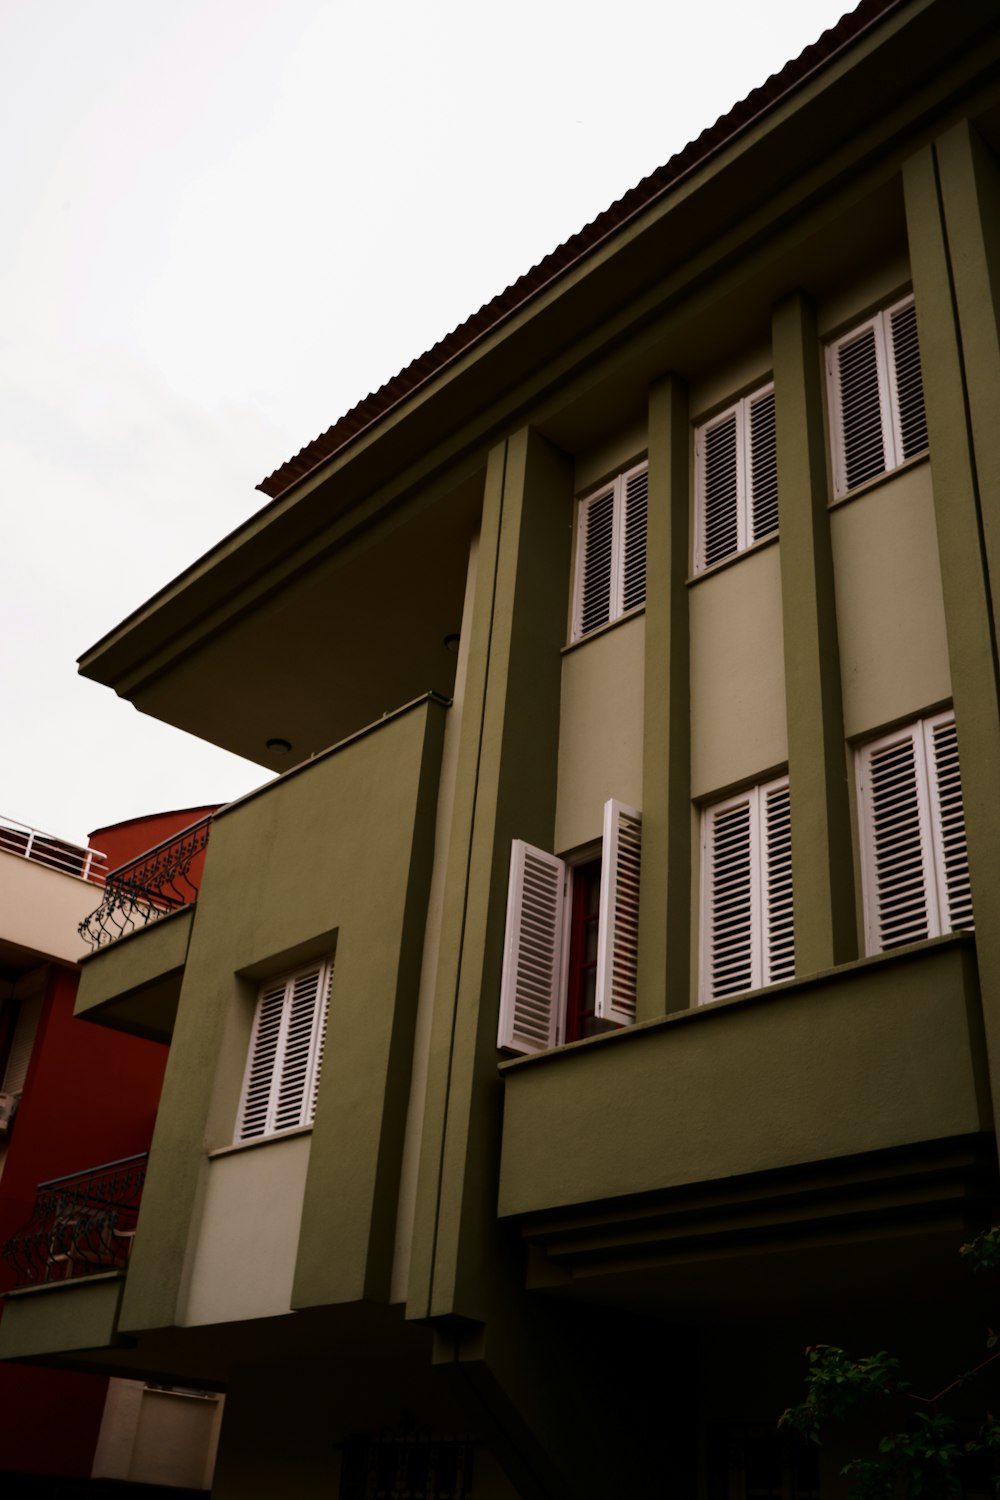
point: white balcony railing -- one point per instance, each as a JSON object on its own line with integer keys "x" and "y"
{"x": 46, "y": 849}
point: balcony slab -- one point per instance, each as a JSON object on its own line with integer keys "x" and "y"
{"x": 62, "y": 1317}
{"x": 134, "y": 984}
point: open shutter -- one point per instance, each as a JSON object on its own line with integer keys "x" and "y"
{"x": 717, "y": 479}
{"x": 531, "y": 987}
{"x": 618, "y": 928}
{"x": 255, "y": 1111}
{"x": 762, "y": 464}
{"x": 633, "y": 575}
{"x": 900, "y": 904}
{"x": 326, "y": 980}
{"x": 595, "y": 563}
{"x": 778, "y": 917}
{"x": 906, "y": 381}
{"x": 948, "y": 822}
{"x": 295, "y": 1086}
{"x": 859, "y": 407}
{"x": 728, "y": 863}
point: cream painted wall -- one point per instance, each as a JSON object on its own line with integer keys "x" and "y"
{"x": 41, "y": 908}
{"x": 600, "y": 730}
{"x": 738, "y": 729}
{"x": 153, "y": 1436}
{"x": 248, "y": 1231}
{"x": 890, "y": 611}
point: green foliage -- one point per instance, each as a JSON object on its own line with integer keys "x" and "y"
{"x": 835, "y": 1385}
{"x": 926, "y": 1459}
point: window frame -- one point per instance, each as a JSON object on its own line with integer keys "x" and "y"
{"x": 769, "y": 893}
{"x": 744, "y": 498}
{"x": 534, "y": 984}
{"x": 284, "y": 1085}
{"x": 625, "y": 585}
{"x": 892, "y": 390}
{"x": 942, "y": 846}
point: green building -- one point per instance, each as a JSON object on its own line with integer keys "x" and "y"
{"x": 617, "y": 658}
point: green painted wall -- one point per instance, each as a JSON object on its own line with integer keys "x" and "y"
{"x": 61, "y": 1317}
{"x": 135, "y": 983}
{"x": 952, "y": 195}
{"x": 879, "y": 1054}
{"x": 335, "y": 855}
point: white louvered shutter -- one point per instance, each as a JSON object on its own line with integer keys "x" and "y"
{"x": 531, "y": 987}
{"x": 778, "y": 930}
{"x": 900, "y": 891}
{"x": 728, "y": 859}
{"x": 618, "y": 927}
{"x": 635, "y": 489}
{"x": 748, "y": 935}
{"x": 762, "y": 464}
{"x": 859, "y": 407}
{"x": 595, "y": 563}
{"x": 718, "y": 482}
{"x": 906, "y": 381}
{"x": 286, "y": 1047}
{"x": 948, "y": 823}
{"x": 611, "y": 552}
{"x": 877, "y": 417}
{"x": 22, "y": 1043}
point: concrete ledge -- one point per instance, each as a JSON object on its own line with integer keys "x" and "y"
{"x": 881, "y": 1054}
{"x": 61, "y": 1317}
{"x": 134, "y": 985}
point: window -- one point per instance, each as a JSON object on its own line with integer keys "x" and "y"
{"x": 736, "y": 479}
{"x": 876, "y": 392}
{"x": 915, "y": 868}
{"x": 748, "y": 937}
{"x": 610, "y": 552}
{"x": 286, "y": 1053}
{"x": 571, "y": 946}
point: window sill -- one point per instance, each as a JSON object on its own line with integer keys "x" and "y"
{"x": 879, "y": 480}
{"x": 592, "y": 635}
{"x": 734, "y": 557}
{"x": 260, "y": 1140}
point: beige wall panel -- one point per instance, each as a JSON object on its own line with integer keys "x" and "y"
{"x": 41, "y": 908}
{"x": 890, "y": 611}
{"x": 600, "y": 731}
{"x": 244, "y": 1259}
{"x": 737, "y": 674}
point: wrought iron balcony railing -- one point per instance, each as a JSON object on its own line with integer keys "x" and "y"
{"x": 46, "y": 849}
{"x": 80, "y": 1225}
{"x": 162, "y": 880}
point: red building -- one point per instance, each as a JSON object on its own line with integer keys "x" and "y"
{"x": 77, "y": 1107}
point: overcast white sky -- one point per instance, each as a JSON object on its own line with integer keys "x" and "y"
{"x": 226, "y": 221}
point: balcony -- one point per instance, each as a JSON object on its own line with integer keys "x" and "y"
{"x": 80, "y": 1225}
{"x": 163, "y": 880}
{"x": 792, "y": 1119}
{"x": 140, "y": 934}
{"x": 46, "y": 849}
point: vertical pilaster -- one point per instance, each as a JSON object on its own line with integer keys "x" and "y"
{"x": 505, "y": 788}
{"x": 665, "y": 890}
{"x": 952, "y": 201}
{"x": 822, "y": 862}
